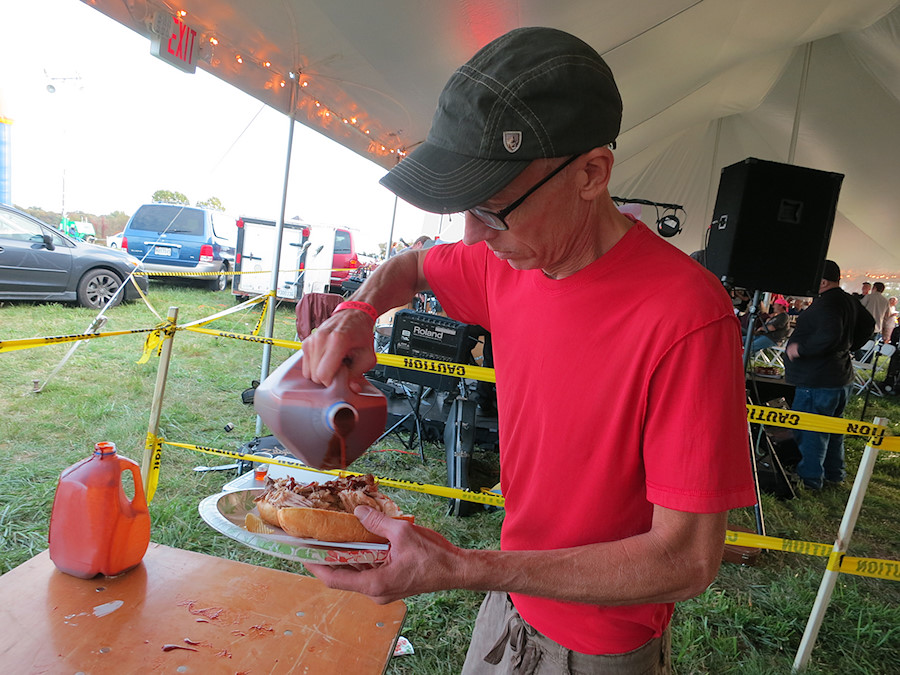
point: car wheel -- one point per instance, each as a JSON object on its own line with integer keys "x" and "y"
{"x": 219, "y": 282}
{"x": 97, "y": 287}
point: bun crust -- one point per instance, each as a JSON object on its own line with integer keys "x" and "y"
{"x": 282, "y": 504}
{"x": 268, "y": 512}
{"x": 308, "y": 523}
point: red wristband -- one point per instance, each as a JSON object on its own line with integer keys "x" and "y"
{"x": 361, "y": 306}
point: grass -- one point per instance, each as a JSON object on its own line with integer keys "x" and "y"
{"x": 749, "y": 621}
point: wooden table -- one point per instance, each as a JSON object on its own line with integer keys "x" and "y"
{"x": 183, "y": 612}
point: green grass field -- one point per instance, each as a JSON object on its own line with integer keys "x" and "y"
{"x": 749, "y": 621}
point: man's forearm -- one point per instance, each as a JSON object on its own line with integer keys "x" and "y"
{"x": 394, "y": 283}
{"x": 640, "y": 569}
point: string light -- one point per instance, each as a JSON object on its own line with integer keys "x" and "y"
{"x": 325, "y": 114}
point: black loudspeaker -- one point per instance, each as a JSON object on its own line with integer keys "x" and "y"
{"x": 772, "y": 225}
{"x": 419, "y": 335}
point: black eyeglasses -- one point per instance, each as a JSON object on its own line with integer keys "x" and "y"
{"x": 496, "y": 220}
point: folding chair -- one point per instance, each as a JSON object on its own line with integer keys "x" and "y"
{"x": 862, "y": 365}
{"x": 864, "y": 371}
{"x": 771, "y": 356}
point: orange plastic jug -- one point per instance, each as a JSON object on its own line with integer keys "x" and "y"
{"x": 94, "y": 528}
{"x": 325, "y": 427}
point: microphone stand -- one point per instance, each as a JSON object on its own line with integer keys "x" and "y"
{"x": 748, "y": 340}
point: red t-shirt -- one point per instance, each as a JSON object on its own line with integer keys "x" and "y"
{"x": 601, "y": 418}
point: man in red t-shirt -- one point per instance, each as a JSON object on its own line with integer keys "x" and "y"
{"x": 622, "y": 449}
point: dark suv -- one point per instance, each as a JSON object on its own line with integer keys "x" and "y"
{"x": 193, "y": 242}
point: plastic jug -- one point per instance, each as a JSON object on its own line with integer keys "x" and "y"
{"x": 325, "y": 427}
{"x": 94, "y": 528}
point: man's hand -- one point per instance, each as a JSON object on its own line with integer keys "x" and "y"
{"x": 346, "y": 338}
{"x": 792, "y": 351}
{"x": 420, "y": 561}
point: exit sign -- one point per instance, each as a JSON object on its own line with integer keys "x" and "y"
{"x": 175, "y": 42}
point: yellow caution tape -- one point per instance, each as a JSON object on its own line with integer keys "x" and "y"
{"x": 871, "y": 567}
{"x": 812, "y": 422}
{"x": 144, "y": 297}
{"x": 28, "y": 343}
{"x": 776, "y": 544}
{"x": 290, "y": 344}
{"x": 262, "y": 315}
{"x": 153, "y": 445}
{"x": 837, "y": 561}
{"x": 803, "y": 421}
{"x": 155, "y": 340}
{"x": 233, "y": 273}
{"x": 834, "y": 561}
{"x": 437, "y": 367}
{"x": 426, "y": 488}
{"x": 225, "y": 312}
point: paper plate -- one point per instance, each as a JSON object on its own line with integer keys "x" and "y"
{"x": 225, "y": 513}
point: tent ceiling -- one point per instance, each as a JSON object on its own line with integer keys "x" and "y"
{"x": 706, "y": 83}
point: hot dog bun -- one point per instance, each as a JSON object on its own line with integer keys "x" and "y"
{"x": 268, "y": 512}
{"x": 300, "y": 521}
{"x": 295, "y": 508}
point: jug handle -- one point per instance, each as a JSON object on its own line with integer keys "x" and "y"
{"x": 139, "y": 496}
{"x": 340, "y": 385}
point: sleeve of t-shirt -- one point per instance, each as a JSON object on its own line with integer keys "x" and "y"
{"x": 456, "y": 274}
{"x": 696, "y": 447}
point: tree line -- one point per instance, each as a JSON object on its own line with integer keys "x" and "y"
{"x": 109, "y": 224}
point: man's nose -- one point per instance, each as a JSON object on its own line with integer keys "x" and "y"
{"x": 476, "y": 231}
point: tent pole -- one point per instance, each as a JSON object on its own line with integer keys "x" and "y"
{"x": 273, "y": 284}
{"x": 712, "y": 190}
{"x": 390, "y": 244}
{"x": 801, "y": 93}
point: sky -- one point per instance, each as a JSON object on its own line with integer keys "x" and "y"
{"x": 122, "y": 124}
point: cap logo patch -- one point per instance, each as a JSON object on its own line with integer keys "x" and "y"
{"x": 512, "y": 140}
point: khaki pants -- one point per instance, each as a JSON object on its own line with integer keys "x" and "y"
{"x": 503, "y": 643}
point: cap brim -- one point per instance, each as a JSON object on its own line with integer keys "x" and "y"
{"x": 439, "y": 181}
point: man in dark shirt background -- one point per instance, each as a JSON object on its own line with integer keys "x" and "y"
{"x": 819, "y": 366}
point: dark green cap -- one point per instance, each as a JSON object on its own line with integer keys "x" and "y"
{"x": 530, "y": 94}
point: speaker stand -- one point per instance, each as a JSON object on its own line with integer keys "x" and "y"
{"x": 760, "y": 520}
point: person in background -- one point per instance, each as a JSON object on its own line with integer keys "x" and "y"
{"x": 878, "y": 306}
{"x": 819, "y": 366}
{"x": 774, "y": 330}
{"x": 423, "y": 243}
{"x": 890, "y": 321}
{"x": 866, "y": 289}
{"x": 603, "y": 530}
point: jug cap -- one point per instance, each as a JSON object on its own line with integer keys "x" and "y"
{"x": 341, "y": 417}
{"x": 104, "y": 448}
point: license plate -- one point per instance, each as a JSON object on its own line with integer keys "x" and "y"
{"x": 163, "y": 250}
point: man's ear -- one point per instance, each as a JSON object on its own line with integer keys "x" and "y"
{"x": 595, "y": 169}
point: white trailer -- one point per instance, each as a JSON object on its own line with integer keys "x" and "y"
{"x": 304, "y": 265}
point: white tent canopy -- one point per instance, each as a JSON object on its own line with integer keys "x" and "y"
{"x": 705, "y": 84}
